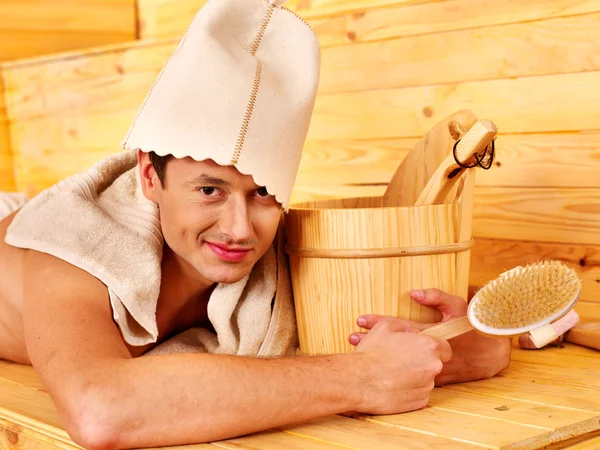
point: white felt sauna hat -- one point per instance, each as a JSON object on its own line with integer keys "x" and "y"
{"x": 239, "y": 89}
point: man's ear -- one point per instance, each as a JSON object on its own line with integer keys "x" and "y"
{"x": 150, "y": 182}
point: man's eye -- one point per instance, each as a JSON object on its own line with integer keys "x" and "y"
{"x": 262, "y": 192}
{"x": 207, "y": 190}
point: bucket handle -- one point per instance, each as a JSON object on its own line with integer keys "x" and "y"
{"x": 351, "y": 253}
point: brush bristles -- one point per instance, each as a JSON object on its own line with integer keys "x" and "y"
{"x": 526, "y": 295}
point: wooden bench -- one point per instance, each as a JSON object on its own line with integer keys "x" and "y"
{"x": 545, "y": 399}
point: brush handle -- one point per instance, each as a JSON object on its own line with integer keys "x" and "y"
{"x": 450, "y": 329}
{"x": 474, "y": 141}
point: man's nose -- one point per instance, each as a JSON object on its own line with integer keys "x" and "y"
{"x": 236, "y": 221}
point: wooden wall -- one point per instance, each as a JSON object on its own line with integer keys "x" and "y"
{"x": 30, "y": 28}
{"x": 391, "y": 69}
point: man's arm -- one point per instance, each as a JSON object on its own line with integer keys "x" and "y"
{"x": 109, "y": 400}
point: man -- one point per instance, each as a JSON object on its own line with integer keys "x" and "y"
{"x": 100, "y": 271}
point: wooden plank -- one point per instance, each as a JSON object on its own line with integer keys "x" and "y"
{"x": 402, "y": 19}
{"x": 160, "y": 19}
{"x": 66, "y": 113}
{"x": 533, "y": 160}
{"x": 350, "y": 433}
{"x": 543, "y": 393}
{"x": 588, "y": 311}
{"x": 274, "y": 440}
{"x": 586, "y": 442}
{"x": 7, "y": 179}
{"x": 20, "y": 374}
{"x": 343, "y": 21}
{"x": 465, "y": 55}
{"x": 491, "y": 257}
{"x": 558, "y": 215}
{"x": 13, "y": 436}
{"x": 569, "y": 356}
{"x": 30, "y": 28}
{"x": 543, "y": 417}
{"x": 522, "y": 105}
{"x": 474, "y": 429}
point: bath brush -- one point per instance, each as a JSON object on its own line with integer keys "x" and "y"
{"x": 521, "y": 300}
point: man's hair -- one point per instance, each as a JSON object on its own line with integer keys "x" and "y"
{"x": 160, "y": 165}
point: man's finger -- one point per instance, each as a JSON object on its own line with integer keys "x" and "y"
{"x": 449, "y": 305}
{"x": 445, "y": 351}
{"x": 368, "y": 321}
{"x": 356, "y": 337}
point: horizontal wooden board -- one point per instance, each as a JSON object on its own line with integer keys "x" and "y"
{"x": 558, "y": 215}
{"x": 528, "y": 160}
{"x": 409, "y": 19}
{"x": 66, "y": 113}
{"x": 31, "y": 28}
{"x": 347, "y": 432}
{"x": 564, "y": 45}
{"x": 554, "y": 103}
{"x": 346, "y": 21}
{"x": 588, "y": 311}
{"x": 489, "y": 258}
{"x": 533, "y": 160}
{"x": 159, "y": 19}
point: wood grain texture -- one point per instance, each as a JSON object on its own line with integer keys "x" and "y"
{"x": 533, "y": 160}
{"x": 331, "y": 293}
{"x": 30, "y": 28}
{"x": 522, "y": 105}
{"x": 349, "y": 433}
{"x": 66, "y": 113}
{"x": 532, "y": 403}
{"x": 422, "y": 18}
{"x": 163, "y": 19}
{"x": 565, "y": 45}
{"x": 560, "y": 215}
{"x": 351, "y": 21}
{"x": 7, "y": 179}
{"x": 491, "y": 257}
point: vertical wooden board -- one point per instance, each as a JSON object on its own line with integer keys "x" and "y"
{"x": 68, "y": 112}
{"x": 7, "y": 181}
{"x": 30, "y": 28}
{"x": 564, "y": 45}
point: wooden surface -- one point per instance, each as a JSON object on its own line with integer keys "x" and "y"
{"x": 545, "y": 398}
{"x": 330, "y": 290}
{"x": 30, "y": 28}
{"x": 7, "y": 181}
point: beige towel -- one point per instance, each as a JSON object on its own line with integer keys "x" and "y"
{"x": 101, "y": 222}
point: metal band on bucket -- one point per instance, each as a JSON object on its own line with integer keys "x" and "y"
{"x": 350, "y": 253}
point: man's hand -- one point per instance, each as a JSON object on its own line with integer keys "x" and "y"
{"x": 400, "y": 367}
{"x": 474, "y": 356}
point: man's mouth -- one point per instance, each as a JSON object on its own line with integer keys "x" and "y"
{"x": 229, "y": 254}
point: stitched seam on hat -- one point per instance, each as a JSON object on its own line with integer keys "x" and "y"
{"x": 246, "y": 122}
{"x": 255, "y": 87}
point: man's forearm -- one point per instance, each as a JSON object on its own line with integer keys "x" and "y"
{"x": 165, "y": 400}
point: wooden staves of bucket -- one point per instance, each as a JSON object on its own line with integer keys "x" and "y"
{"x": 358, "y": 256}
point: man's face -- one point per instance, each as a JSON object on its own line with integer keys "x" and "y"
{"x": 214, "y": 218}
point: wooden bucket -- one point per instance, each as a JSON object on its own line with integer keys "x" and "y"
{"x": 350, "y": 257}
